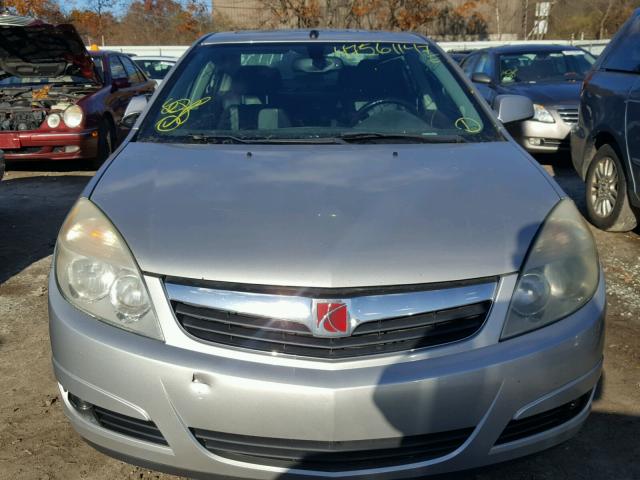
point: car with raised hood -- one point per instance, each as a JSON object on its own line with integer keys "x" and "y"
{"x": 319, "y": 254}
{"x": 549, "y": 75}
{"x": 605, "y": 145}
{"x": 55, "y": 103}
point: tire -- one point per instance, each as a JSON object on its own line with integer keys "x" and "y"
{"x": 105, "y": 143}
{"x": 607, "y": 201}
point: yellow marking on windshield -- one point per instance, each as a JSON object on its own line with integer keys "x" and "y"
{"x": 468, "y": 124}
{"x": 509, "y": 74}
{"x": 176, "y": 112}
{"x": 353, "y": 49}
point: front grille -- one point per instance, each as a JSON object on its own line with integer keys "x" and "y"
{"x": 568, "y": 115}
{"x": 332, "y": 456}
{"x": 541, "y": 422}
{"x": 382, "y": 336}
{"x": 125, "y": 425}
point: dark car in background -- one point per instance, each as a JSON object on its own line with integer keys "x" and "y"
{"x": 458, "y": 55}
{"x": 155, "y": 67}
{"x": 605, "y": 145}
{"x": 56, "y": 101}
{"x": 550, "y": 75}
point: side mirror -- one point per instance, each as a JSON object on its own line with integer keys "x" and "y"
{"x": 119, "y": 83}
{"x": 134, "y": 109}
{"x": 513, "y": 108}
{"x": 483, "y": 78}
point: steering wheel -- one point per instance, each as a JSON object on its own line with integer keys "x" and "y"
{"x": 363, "y": 113}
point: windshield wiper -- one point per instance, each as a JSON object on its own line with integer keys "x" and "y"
{"x": 199, "y": 138}
{"x": 261, "y": 140}
{"x": 364, "y": 137}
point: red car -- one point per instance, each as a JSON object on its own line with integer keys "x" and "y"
{"x": 58, "y": 101}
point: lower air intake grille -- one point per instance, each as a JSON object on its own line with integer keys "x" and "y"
{"x": 541, "y": 422}
{"x": 129, "y": 426}
{"x": 383, "y": 336}
{"x": 331, "y": 456}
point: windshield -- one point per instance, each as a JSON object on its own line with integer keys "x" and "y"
{"x": 315, "y": 91}
{"x": 97, "y": 62}
{"x": 155, "y": 69}
{"x": 538, "y": 67}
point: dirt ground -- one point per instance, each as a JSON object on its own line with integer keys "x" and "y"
{"x": 36, "y": 442}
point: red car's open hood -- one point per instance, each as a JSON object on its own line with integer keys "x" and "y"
{"x": 43, "y": 50}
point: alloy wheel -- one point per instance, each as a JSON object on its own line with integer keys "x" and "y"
{"x": 604, "y": 189}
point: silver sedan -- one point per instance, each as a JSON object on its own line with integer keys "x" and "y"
{"x": 320, "y": 255}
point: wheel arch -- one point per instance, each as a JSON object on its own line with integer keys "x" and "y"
{"x": 604, "y": 137}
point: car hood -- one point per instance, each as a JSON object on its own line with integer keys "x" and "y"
{"x": 326, "y": 216}
{"x": 43, "y": 50}
{"x": 561, "y": 93}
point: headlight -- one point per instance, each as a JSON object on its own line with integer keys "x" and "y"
{"x": 53, "y": 120}
{"x": 540, "y": 114}
{"x": 97, "y": 273}
{"x": 73, "y": 116}
{"x": 560, "y": 273}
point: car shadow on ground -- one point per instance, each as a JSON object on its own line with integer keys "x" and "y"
{"x": 601, "y": 450}
{"x": 32, "y": 210}
{"x": 49, "y": 166}
{"x": 560, "y": 167}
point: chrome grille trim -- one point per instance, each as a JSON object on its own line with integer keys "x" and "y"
{"x": 568, "y": 115}
{"x": 362, "y": 309}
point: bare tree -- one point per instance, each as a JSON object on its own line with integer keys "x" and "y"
{"x": 603, "y": 19}
{"x": 496, "y": 9}
{"x": 293, "y": 13}
{"x": 101, "y": 8}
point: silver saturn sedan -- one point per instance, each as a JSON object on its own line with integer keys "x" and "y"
{"x": 319, "y": 255}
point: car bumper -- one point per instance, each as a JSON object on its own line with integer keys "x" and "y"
{"x": 480, "y": 388}
{"x": 31, "y": 145}
{"x": 539, "y": 137}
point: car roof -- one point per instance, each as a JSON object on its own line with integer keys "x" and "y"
{"x": 533, "y": 48}
{"x": 306, "y": 35}
{"x": 104, "y": 53}
{"x": 155, "y": 57}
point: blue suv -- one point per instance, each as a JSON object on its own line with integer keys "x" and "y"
{"x": 605, "y": 144}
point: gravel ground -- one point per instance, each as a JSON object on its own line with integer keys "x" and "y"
{"x": 36, "y": 442}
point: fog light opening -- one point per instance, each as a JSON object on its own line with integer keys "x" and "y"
{"x": 79, "y": 404}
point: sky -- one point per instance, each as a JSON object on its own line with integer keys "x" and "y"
{"x": 67, "y": 5}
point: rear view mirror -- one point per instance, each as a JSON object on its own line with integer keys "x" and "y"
{"x": 513, "y": 108}
{"x": 317, "y": 65}
{"x": 134, "y": 109}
